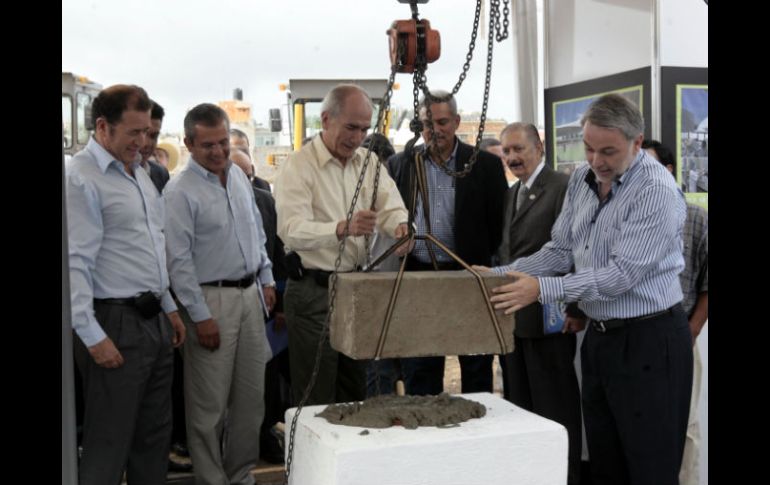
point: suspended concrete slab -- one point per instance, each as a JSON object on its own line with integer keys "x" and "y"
{"x": 436, "y": 313}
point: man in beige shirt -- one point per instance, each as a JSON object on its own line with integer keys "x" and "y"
{"x": 313, "y": 193}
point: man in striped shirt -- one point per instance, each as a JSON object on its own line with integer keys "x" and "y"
{"x": 621, "y": 229}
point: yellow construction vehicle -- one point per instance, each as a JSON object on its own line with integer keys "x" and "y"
{"x": 305, "y": 97}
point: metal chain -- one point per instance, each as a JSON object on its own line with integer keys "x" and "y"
{"x": 471, "y": 47}
{"x": 378, "y": 128}
{"x": 419, "y": 83}
{"x": 501, "y": 37}
{"x": 429, "y": 99}
{"x": 325, "y": 329}
{"x": 383, "y": 107}
{"x": 495, "y": 13}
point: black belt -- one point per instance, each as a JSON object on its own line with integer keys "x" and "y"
{"x": 117, "y": 301}
{"x": 241, "y": 283}
{"x": 147, "y": 303}
{"x": 612, "y": 324}
{"x": 320, "y": 276}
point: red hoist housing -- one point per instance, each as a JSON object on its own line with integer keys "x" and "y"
{"x": 402, "y": 35}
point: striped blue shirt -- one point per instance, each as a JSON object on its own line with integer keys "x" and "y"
{"x": 441, "y": 200}
{"x": 626, "y": 251}
{"x": 116, "y": 243}
{"x": 213, "y": 233}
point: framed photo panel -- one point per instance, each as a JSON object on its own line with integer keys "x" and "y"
{"x": 565, "y": 105}
{"x": 685, "y": 126}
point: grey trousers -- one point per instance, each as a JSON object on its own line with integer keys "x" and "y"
{"x": 127, "y": 424}
{"x": 224, "y": 389}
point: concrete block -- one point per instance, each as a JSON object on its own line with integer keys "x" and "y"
{"x": 508, "y": 445}
{"x": 436, "y": 313}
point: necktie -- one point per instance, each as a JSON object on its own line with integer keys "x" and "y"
{"x": 521, "y": 196}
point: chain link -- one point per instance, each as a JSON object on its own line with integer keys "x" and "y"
{"x": 471, "y": 47}
{"x": 501, "y": 37}
{"x": 383, "y": 108}
{"x": 419, "y": 84}
{"x": 378, "y": 129}
{"x": 494, "y": 26}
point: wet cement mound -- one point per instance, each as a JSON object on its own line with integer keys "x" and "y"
{"x": 407, "y": 411}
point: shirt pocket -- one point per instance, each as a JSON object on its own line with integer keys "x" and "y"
{"x": 213, "y": 212}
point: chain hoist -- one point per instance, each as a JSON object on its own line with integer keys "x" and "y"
{"x": 413, "y": 44}
{"x": 378, "y": 128}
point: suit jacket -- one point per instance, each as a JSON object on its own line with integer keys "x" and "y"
{"x": 478, "y": 202}
{"x": 273, "y": 244}
{"x": 525, "y": 231}
{"x": 158, "y": 175}
{"x": 260, "y": 183}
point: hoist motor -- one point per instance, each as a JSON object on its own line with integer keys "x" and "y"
{"x": 413, "y": 44}
{"x": 404, "y": 38}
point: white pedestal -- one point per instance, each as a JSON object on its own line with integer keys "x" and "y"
{"x": 507, "y": 446}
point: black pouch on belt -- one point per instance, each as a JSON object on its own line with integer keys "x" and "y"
{"x": 294, "y": 267}
{"x": 148, "y": 304}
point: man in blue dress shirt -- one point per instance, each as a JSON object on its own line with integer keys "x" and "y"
{"x": 122, "y": 311}
{"x": 222, "y": 275}
{"x": 621, "y": 229}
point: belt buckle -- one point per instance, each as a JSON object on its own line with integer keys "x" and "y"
{"x": 599, "y": 326}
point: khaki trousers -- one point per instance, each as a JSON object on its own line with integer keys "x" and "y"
{"x": 224, "y": 389}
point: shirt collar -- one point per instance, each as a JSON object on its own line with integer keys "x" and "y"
{"x": 324, "y": 156}
{"x": 632, "y": 167}
{"x": 590, "y": 177}
{"x": 104, "y": 158}
{"x": 531, "y": 181}
{"x": 206, "y": 174}
{"x": 452, "y": 157}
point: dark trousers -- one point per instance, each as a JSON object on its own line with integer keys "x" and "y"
{"x": 340, "y": 378}
{"x": 637, "y": 381}
{"x": 381, "y": 376}
{"x": 179, "y": 418}
{"x": 178, "y": 427}
{"x": 127, "y": 424}
{"x": 425, "y": 375}
{"x": 277, "y": 401}
{"x": 540, "y": 377}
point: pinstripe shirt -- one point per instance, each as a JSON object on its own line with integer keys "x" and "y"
{"x": 626, "y": 250}
{"x": 441, "y": 203}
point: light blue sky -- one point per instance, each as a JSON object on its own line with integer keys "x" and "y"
{"x": 696, "y": 101}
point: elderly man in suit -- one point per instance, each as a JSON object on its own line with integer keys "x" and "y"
{"x": 465, "y": 215}
{"x": 539, "y": 375}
